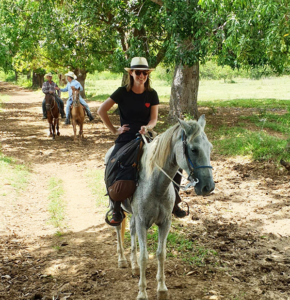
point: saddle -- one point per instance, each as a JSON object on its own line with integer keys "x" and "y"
{"x": 122, "y": 171}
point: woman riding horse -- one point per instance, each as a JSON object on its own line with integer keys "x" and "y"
{"x": 138, "y": 106}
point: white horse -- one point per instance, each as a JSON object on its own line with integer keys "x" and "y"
{"x": 185, "y": 146}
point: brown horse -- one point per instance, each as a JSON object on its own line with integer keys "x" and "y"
{"x": 52, "y": 114}
{"x": 77, "y": 113}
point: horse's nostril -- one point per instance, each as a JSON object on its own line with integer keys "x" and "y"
{"x": 207, "y": 189}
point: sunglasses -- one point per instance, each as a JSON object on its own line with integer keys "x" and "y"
{"x": 138, "y": 72}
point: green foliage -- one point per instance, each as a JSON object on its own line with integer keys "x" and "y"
{"x": 96, "y": 182}
{"x": 178, "y": 245}
{"x": 56, "y": 205}
{"x": 13, "y": 173}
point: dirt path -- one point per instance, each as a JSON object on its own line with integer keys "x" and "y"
{"x": 246, "y": 221}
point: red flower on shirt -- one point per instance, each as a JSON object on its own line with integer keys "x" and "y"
{"x": 147, "y": 104}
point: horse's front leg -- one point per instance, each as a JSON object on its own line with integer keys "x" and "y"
{"x": 49, "y": 128}
{"x": 143, "y": 258}
{"x": 75, "y": 130}
{"x": 122, "y": 261}
{"x": 134, "y": 263}
{"x": 53, "y": 128}
{"x": 57, "y": 126}
{"x": 81, "y": 131}
{"x": 162, "y": 292}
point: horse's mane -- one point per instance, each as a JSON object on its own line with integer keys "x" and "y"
{"x": 159, "y": 150}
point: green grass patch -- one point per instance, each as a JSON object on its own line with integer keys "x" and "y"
{"x": 179, "y": 246}
{"x": 262, "y": 104}
{"x": 95, "y": 179}
{"x": 13, "y": 174}
{"x": 257, "y": 145}
{"x": 279, "y": 123}
{"x": 56, "y": 205}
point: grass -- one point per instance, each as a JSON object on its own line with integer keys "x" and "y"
{"x": 13, "y": 174}
{"x": 178, "y": 245}
{"x": 97, "y": 185}
{"x": 56, "y": 205}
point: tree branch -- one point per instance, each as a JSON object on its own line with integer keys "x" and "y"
{"x": 159, "y": 2}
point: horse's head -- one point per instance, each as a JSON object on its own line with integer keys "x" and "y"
{"x": 193, "y": 155}
{"x": 75, "y": 96}
{"x": 48, "y": 101}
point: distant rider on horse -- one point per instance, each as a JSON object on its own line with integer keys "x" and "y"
{"x": 72, "y": 82}
{"x": 50, "y": 87}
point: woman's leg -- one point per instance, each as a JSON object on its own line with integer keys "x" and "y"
{"x": 83, "y": 102}
{"x": 117, "y": 215}
{"x": 177, "y": 211}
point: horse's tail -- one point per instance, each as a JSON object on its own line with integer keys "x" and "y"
{"x": 123, "y": 229}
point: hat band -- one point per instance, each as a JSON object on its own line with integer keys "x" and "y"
{"x": 139, "y": 66}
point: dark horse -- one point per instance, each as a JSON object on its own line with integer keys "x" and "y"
{"x": 52, "y": 114}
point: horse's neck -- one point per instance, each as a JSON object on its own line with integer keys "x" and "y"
{"x": 170, "y": 168}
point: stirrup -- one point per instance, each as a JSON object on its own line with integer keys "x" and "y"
{"x": 109, "y": 217}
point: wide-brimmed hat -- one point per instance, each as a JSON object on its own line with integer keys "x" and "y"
{"x": 48, "y": 74}
{"x": 139, "y": 63}
{"x": 71, "y": 74}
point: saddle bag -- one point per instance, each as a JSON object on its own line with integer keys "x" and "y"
{"x": 121, "y": 174}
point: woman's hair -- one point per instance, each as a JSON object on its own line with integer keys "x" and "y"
{"x": 130, "y": 83}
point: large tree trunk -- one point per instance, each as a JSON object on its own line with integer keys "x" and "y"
{"x": 81, "y": 78}
{"x": 37, "y": 80}
{"x": 61, "y": 79}
{"x": 184, "y": 90}
{"x": 124, "y": 79}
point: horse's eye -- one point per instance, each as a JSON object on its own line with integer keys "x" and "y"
{"x": 194, "y": 150}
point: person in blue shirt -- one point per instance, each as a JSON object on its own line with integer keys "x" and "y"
{"x": 72, "y": 82}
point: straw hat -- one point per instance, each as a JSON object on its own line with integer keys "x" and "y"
{"x": 71, "y": 74}
{"x": 139, "y": 63}
{"x": 48, "y": 74}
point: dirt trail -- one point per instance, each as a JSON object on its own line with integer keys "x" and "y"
{"x": 246, "y": 221}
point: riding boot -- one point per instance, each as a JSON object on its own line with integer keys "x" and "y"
{"x": 62, "y": 113}
{"x": 177, "y": 211}
{"x": 44, "y": 112}
{"x": 67, "y": 120}
{"x": 91, "y": 118}
{"x": 117, "y": 214}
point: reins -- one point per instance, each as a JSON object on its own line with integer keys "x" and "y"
{"x": 191, "y": 166}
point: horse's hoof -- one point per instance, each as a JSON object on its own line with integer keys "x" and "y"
{"x": 58, "y": 134}
{"x": 136, "y": 271}
{"x": 122, "y": 264}
{"x": 162, "y": 295}
{"x": 142, "y": 296}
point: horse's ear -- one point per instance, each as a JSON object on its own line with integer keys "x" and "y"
{"x": 185, "y": 127}
{"x": 201, "y": 121}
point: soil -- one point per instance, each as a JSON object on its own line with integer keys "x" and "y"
{"x": 245, "y": 220}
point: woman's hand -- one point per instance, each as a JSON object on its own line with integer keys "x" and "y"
{"x": 122, "y": 129}
{"x": 57, "y": 88}
{"x": 143, "y": 129}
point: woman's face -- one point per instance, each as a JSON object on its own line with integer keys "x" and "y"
{"x": 140, "y": 76}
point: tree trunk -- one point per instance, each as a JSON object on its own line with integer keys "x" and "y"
{"x": 28, "y": 75}
{"x": 61, "y": 79}
{"x": 124, "y": 79}
{"x": 37, "y": 80}
{"x": 16, "y": 75}
{"x": 184, "y": 90}
{"x": 81, "y": 78}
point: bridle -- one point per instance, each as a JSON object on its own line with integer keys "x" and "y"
{"x": 190, "y": 164}
{"x": 75, "y": 102}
